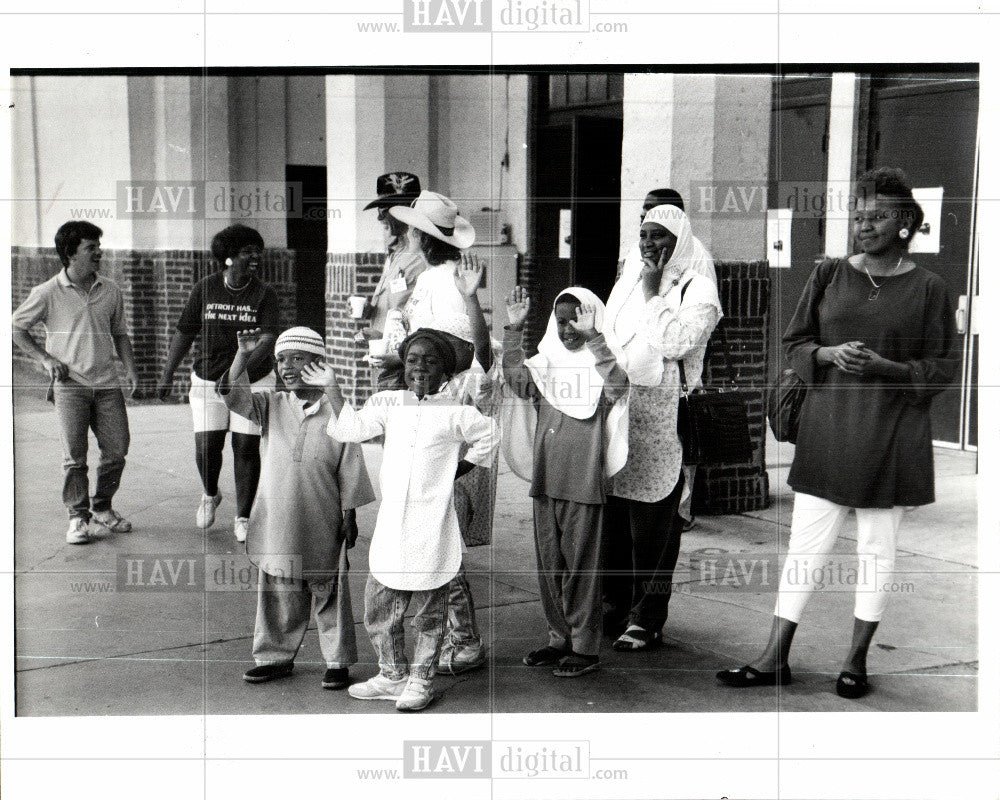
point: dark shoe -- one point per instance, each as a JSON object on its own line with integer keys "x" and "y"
{"x": 544, "y": 657}
{"x": 268, "y": 672}
{"x": 575, "y": 665}
{"x": 744, "y": 677}
{"x": 336, "y": 678}
{"x": 852, "y": 686}
{"x": 636, "y": 638}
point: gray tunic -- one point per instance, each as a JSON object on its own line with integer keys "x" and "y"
{"x": 568, "y": 452}
{"x": 307, "y": 479}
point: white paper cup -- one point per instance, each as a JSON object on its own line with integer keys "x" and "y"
{"x": 378, "y": 347}
{"x": 357, "y": 306}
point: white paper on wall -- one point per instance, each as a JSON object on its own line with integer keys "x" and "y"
{"x": 928, "y": 239}
{"x": 565, "y": 232}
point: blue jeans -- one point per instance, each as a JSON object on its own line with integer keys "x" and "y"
{"x": 462, "y": 628}
{"x": 384, "y": 610}
{"x": 81, "y": 409}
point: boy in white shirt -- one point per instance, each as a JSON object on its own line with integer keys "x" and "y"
{"x": 416, "y": 548}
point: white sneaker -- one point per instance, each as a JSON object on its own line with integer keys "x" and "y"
{"x": 77, "y": 533}
{"x": 456, "y": 659}
{"x": 205, "y": 515}
{"x": 377, "y": 688}
{"x": 240, "y": 528}
{"x": 417, "y": 695}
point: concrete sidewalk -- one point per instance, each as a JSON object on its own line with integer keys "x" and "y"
{"x": 84, "y": 648}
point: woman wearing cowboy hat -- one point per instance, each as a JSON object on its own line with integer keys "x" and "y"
{"x": 442, "y": 235}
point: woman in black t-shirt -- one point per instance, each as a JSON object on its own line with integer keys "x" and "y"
{"x": 221, "y": 304}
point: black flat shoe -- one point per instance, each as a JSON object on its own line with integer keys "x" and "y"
{"x": 336, "y": 678}
{"x": 852, "y": 686}
{"x": 268, "y": 672}
{"x": 745, "y": 677}
{"x": 544, "y": 657}
{"x": 575, "y": 665}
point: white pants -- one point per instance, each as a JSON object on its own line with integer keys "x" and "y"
{"x": 816, "y": 523}
{"x": 209, "y": 411}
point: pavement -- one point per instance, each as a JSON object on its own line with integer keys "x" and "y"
{"x": 86, "y": 645}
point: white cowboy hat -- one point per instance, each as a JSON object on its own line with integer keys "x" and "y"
{"x": 436, "y": 215}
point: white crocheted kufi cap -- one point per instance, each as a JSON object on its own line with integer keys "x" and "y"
{"x": 300, "y": 338}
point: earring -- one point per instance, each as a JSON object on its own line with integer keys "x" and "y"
{"x": 229, "y": 262}
{"x": 904, "y": 233}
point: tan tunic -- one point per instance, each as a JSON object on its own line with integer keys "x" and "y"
{"x": 307, "y": 479}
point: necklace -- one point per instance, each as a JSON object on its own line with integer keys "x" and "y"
{"x": 873, "y": 294}
{"x": 232, "y": 288}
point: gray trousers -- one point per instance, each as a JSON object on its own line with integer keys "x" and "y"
{"x": 283, "y": 610}
{"x": 568, "y": 548}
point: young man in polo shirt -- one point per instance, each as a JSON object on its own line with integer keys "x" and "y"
{"x": 84, "y": 321}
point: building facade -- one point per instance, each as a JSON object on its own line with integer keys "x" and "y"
{"x": 551, "y": 167}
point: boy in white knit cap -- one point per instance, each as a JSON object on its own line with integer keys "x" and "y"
{"x": 303, "y": 518}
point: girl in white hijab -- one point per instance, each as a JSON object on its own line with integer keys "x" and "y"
{"x": 580, "y": 393}
{"x": 660, "y": 311}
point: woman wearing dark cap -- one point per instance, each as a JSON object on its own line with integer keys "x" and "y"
{"x": 404, "y": 262}
{"x": 873, "y": 337}
{"x": 225, "y": 302}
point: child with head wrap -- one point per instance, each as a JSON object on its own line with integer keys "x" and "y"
{"x": 475, "y": 491}
{"x": 303, "y": 518}
{"x": 580, "y": 394}
{"x": 416, "y": 549}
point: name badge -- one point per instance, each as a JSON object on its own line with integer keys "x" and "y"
{"x": 398, "y": 285}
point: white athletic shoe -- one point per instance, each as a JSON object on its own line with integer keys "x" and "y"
{"x": 205, "y": 515}
{"x": 417, "y": 695}
{"x": 377, "y": 688}
{"x": 77, "y": 533}
{"x": 240, "y": 528}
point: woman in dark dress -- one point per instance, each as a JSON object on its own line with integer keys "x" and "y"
{"x": 874, "y": 339}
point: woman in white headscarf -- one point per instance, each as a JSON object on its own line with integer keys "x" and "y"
{"x": 661, "y": 310}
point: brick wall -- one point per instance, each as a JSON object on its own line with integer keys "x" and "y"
{"x": 349, "y": 274}
{"x": 155, "y": 285}
{"x": 744, "y": 290}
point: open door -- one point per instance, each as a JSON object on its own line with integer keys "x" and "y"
{"x": 596, "y": 202}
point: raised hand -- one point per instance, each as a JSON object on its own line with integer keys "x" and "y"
{"x": 469, "y": 274}
{"x": 247, "y": 340}
{"x": 585, "y": 320}
{"x": 319, "y": 374}
{"x": 518, "y": 307}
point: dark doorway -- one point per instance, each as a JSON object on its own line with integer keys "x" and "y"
{"x": 927, "y": 125}
{"x": 307, "y": 237}
{"x": 597, "y": 184}
{"x": 575, "y": 185}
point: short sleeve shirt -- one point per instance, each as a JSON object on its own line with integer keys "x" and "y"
{"x": 80, "y": 326}
{"x": 216, "y": 313}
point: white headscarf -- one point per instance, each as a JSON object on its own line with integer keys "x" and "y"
{"x": 575, "y": 373}
{"x": 568, "y": 379}
{"x": 626, "y": 309}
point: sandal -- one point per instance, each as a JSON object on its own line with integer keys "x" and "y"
{"x": 111, "y": 520}
{"x": 745, "y": 677}
{"x": 544, "y": 657}
{"x": 575, "y": 665}
{"x": 636, "y": 638}
{"x": 852, "y": 685}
